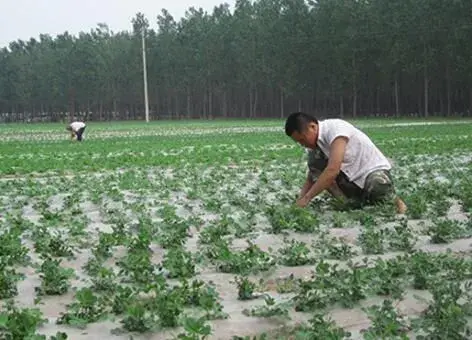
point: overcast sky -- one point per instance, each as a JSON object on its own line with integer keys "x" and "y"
{"x": 23, "y": 19}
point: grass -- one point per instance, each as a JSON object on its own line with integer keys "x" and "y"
{"x": 165, "y": 228}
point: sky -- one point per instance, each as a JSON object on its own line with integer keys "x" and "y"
{"x": 24, "y": 19}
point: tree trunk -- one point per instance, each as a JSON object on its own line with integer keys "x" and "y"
{"x": 210, "y": 102}
{"x": 250, "y": 102}
{"x": 354, "y": 105}
{"x": 341, "y": 106}
{"x": 204, "y": 105}
{"x": 254, "y": 108}
{"x": 397, "y": 102}
{"x": 114, "y": 107}
{"x": 441, "y": 101}
{"x": 176, "y": 103}
{"x": 470, "y": 100}
{"x": 282, "y": 113}
{"x": 225, "y": 105}
{"x": 448, "y": 89}
{"x": 426, "y": 91}
{"x": 354, "y": 87}
{"x": 188, "y": 102}
{"x": 325, "y": 104}
{"x": 100, "y": 111}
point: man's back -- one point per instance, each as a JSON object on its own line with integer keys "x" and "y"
{"x": 77, "y": 125}
{"x": 361, "y": 156}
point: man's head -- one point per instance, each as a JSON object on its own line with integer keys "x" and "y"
{"x": 302, "y": 128}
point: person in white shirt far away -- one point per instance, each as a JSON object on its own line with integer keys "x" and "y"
{"x": 76, "y": 130}
{"x": 342, "y": 160}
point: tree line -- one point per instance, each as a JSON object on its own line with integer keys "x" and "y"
{"x": 264, "y": 58}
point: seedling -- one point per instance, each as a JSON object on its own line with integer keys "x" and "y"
{"x": 246, "y": 288}
{"x": 270, "y": 309}
{"x": 54, "y": 278}
{"x": 296, "y": 253}
{"x": 386, "y": 323}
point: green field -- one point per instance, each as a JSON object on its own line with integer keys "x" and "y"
{"x": 183, "y": 229}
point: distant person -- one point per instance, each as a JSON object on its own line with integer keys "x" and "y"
{"x": 342, "y": 160}
{"x": 76, "y": 130}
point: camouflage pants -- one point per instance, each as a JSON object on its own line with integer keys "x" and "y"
{"x": 378, "y": 187}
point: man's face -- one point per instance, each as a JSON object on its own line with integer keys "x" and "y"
{"x": 308, "y": 137}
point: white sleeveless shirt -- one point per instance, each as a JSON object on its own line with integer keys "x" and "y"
{"x": 361, "y": 156}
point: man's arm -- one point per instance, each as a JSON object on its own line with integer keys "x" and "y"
{"x": 333, "y": 189}
{"x": 308, "y": 184}
{"x": 329, "y": 174}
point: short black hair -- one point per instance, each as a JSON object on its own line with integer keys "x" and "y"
{"x": 297, "y": 122}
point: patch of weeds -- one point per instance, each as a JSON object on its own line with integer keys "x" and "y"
{"x": 168, "y": 306}
{"x": 445, "y": 318}
{"x": 340, "y": 220}
{"x": 417, "y": 206}
{"x": 351, "y": 286}
{"x": 86, "y": 308}
{"x": 9, "y": 278}
{"x": 11, "y": 249}
{"x": 92, "y": 266}
{"x": 194, "y": 329}
{"x": 295, "y": 253}
{"x": 179, "y": 263}
{"x": 251, "y": 260}
{"x": 103, "y": 250}
{"x": 291, "y": 218}
{"x": 20, "y": 323}
{"x": 402, "y": 238}
{"x": 53, "y": 219}
{"x": 320, "y": 328}
{"x": 137, "y": 266}
{"x": 367, "y": 219}
{"x": 371, "y": 240}
{"x": 246, "y": 288}
{"x": 440, "y": 206}
{"x": 201, "y": 295}
{"x": 104, "y": 280}
{"x": 50, "y": 244}
{"x": 214, "y": 232}
{"x": 388, "y": 277}
{"x": 205, "y": 297}
{"x": 445, "y": 230}
{"x": 386, "y": 323}
{"x": 137, "y": 318}
{"x": 286, "y": 284}
{"x": 173, "y": 233}
{"x": 122, "y": 297}
{"x": 334, "y": 248}
{"x": 423, "y": 267}
{"x": 54, "y": 278}
{"x": 329, "y": 285}
{"x": 270, "y": 309}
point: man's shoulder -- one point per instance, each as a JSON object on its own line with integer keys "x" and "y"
{"x": 335, "y": 126}
{"x": 332, "y": 122}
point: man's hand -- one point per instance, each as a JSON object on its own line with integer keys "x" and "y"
{"x": 328, "y": 176}
{"x": 302, "y": 202}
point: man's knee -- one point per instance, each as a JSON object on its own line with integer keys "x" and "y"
{"x": 379, "y": 187}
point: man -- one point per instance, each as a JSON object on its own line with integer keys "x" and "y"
{"x": 342, "y": 160}
{"x": 76, "y": 130}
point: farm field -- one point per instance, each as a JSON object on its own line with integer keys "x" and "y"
{"x": 185, "y": 230}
